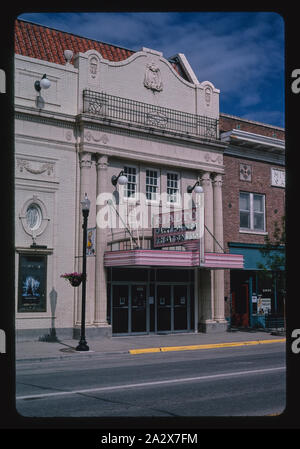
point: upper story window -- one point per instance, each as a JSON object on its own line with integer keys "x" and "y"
{"x": 252, "y": 211}
{"x": 130, "y": 189}
{"x": 172, "y": 187}
{"x": 152, "y": 184}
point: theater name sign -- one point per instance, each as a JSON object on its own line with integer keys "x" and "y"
{"x": 174, "y": 229}
{"x": 177, "y": 227}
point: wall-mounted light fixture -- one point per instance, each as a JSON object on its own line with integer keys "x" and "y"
{"x": 43, "y": 84}
{"x": 120, "y": 179}
{"x": 68, "y": 54}
{"x": 196, "y": 188}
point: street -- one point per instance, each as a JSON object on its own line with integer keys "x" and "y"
{"x": 241, "y": 381}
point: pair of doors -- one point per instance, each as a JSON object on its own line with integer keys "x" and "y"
{"x": 172, "y": 307}
{"x": 240, "y": 305}
{"x": 129, "y": 309}
{"x": 135, "y": 311}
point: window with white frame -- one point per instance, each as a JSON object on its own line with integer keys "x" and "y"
{"x": 152, "y": 185}
{"x": 252, "y": 211}
{"x": 172, "y": 187}
{"x": 130, "y": 189}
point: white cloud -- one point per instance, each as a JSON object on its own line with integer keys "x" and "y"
{"x": 242, "y": 54}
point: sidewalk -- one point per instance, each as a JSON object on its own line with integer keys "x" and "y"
{"x": 138, "y": 344}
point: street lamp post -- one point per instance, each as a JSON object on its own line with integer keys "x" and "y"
{"x": 82, "y": 346}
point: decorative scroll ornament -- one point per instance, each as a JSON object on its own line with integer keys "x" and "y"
{"x": 152, "y": 78}
{"x": 209, "y": 158}
{"x": 96, "y": 137}
{"x": 46, "y": 167}
{"x": 208, "y": 96}
{"x": 157, "y": 119}
{"x": 93, "y": 67}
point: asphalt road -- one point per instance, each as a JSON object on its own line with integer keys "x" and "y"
{"x": 242, "y": 381}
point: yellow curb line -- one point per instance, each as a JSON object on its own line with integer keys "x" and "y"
{"x": 208, "y": 346}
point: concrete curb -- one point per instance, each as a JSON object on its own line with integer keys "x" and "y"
{"x": 88, "y": 354}
{"x": 207, "y": 346}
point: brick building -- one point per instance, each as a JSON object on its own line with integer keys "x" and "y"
{"x": 253, "y": 204}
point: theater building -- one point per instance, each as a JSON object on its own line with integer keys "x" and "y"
{"x": 85, "y": 113}
{"x": 253, "y": 207}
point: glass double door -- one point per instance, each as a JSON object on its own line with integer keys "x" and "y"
{"x": 129, "y": 309}
{"x": 135, "y": 310}
{"x": 172, "y": 307}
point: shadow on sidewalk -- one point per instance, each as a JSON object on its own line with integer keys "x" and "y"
{"x": 272, "y": 331}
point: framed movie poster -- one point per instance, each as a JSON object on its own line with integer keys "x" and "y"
{"x": 32, "y": 283}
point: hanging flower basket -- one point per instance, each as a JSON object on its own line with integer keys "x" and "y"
{"x": 75, "y": 279}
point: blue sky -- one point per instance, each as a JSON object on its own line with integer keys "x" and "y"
{"x": 241, "y": 53}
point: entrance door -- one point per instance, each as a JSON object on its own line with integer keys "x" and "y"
{"x": 164, "y": 307}
{"x": 180, "y": 307}
{"x": 240, "y": 305}
{"x": 120, "y": 309}
{"x": 138, "y": 308}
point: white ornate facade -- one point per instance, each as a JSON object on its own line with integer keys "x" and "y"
{"x": 70, "y": 140}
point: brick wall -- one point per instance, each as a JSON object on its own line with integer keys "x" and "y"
{"x": 227, "y": 123}
{"x": 260, "y": 183}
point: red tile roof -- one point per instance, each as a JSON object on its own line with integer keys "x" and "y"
{"x": 48, "y": 44}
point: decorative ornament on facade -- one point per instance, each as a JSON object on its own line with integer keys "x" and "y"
{"x": 152, "y": 78}
{"x": 207, "y": 96}
{"x": 245, "y": 172}
{"x": 88, "y": 136}
{"x": 93, "y": 66}
{"x": 69, "y": 134}
{"x": 277, "y": 177}
{"x": 34, "y": 217}
{"x": 96, "y": 107}
{"x": 156, "y": 119}
{"x": 214, "y": 159}
{"x": 45, "y": 167}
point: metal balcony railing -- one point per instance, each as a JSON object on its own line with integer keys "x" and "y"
{"x": 113, "y": 108}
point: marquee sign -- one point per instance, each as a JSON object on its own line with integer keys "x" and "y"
{"x": 175, "y": 228}
{"x": 178, "y": 228}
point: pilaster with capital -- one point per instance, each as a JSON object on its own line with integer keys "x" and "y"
{"x": 218, "y": 212}
{"x": 219, "y": 308}
{"x": 85, "y": 164}
{"x": 205, "y": 282}
{"x": 101, "y": 244}
{"x": 208, "y": 211}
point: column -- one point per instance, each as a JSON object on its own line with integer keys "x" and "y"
{"x": 208, "y": 211}
{"x": 205, "y": 277}
{"x": 101, "y": 245}
{"x": 219, "y": 310}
